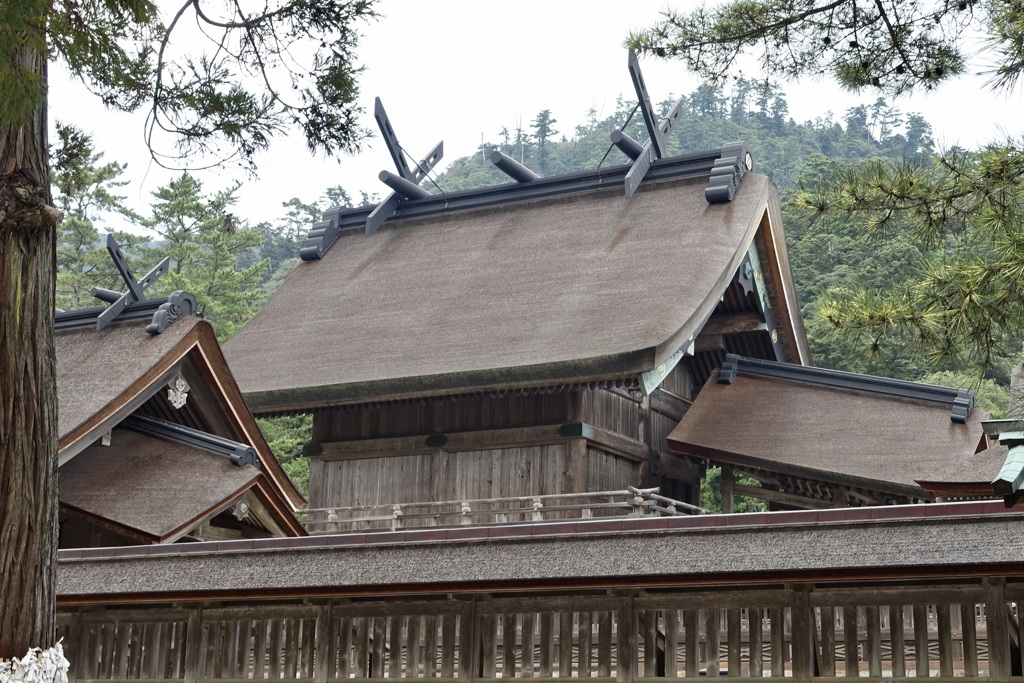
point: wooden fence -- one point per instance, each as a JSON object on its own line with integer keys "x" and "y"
{"x": 796, "y": 632}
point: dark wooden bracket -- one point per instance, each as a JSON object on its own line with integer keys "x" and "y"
{"x": 655, "y": 148}
{"x": 406, "y": 184}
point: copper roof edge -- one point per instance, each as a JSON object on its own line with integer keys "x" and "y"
{"x": 793, "y": 519}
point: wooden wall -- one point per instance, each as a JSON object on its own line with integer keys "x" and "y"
{"x": 438, "y": 476}
{"x": 535, "y": 467}
{"x": 949, "y": 630}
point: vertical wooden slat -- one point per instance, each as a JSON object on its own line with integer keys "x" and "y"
{"x": 324, "y": 647}
{"x": 970, "y": 640}
{"x": 547, "y": 643}
{"x": 489, "y": 641}
{"x": 945, "y": 634}
{"x": 157, "y": 650}
{"x": 650, "y": 625}
{"x": 394, "y": 650}
{"x": 508, "y": 646}
{"x": 412, "y": 647}
{"x": 777, "y": 618}
{"x": 345, "y": 626}
{"x": 897, "y": 641}
{"x": 193, "y": 643}
{"x": 604, "y": 644}
{"x": 73, "y": 646}
{"x": 275, "y": 630}
{"x": 177, "y": 670}
{"x": 291, "y": 648}
{"x": 850, "y": 641}
{"x": 123, "y": 651}
{"x": 448, "y": 623}
{"x": 921, "y": 640}
{"x": 231, "y": 663}
{"x": 874, "y": 624}
{"x": 691, "y": 636}
{"x": 584, "y": 660}
{"x": 732, "y": 626}
{"x": 671, "y": 643}
{"x": 711, "y": 636}
{"x": 429, "y": 647}
{"x": 106, "y": 667}
{"x": 527, "y": 647}
{"x": 378, "y": 646}
{"x": 828, "y": 640}
{"x": 259, "y": 650}
{"x": 467, "y": 645}
{"x": 756, "y": 643}
{"x": 802, "y": 635}
{"x": 627, "y": 641}
{"x": 308, "y": 639}
{"x": 361, "y": 663}
{"x": 565, "y": 627}
{"x": 997, "y": 619}
{"x": 215, "y": 653}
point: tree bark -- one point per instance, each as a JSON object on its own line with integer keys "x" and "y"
{"x": 28, "y": 392}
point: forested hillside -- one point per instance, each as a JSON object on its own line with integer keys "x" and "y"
{"x": 232, "y": 265}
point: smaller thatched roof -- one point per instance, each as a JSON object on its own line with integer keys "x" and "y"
{"x": 150, "y": 487}
{"x": 105, "y": 376}
{"x": 880, "y": 441}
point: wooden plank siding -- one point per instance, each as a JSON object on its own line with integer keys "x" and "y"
{"x": 801, "y": 632}
{"x": 498, "y": 447}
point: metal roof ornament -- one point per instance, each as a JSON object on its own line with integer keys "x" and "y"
{"x": 655, "y": 148}
{"x": 406, "y": 184}
{"x": 131, "y": 304}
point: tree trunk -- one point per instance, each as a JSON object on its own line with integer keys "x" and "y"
{"x": 28, "y": 392}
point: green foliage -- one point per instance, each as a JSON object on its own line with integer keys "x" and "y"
{"x": 893, "y": 47}
{"x": 990, "y": 395}
{"x": 85, "y": 191}
{"x": 250, "y": 71}
{"x": 963, "y": 302}
{"x": 206, "y": 245}
{"x": 711, "y": 493}
{"x": 286, "y": 437}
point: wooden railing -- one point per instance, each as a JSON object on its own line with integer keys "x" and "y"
{"x": 632, "y": 502}
{"x": 796, "y": 632}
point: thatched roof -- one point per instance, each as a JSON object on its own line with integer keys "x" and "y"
{"x": 154, "y": 488}
{"x": 565, "y": 289}
{"x": 105, "y": 376}
{"x": 895, "y": 541}
{"x": 827, "y": 433}
{"x": 94, "y": 369}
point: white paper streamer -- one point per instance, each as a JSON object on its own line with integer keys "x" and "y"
{"x": 38, "y": 666}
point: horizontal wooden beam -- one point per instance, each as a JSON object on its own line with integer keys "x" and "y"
{"x": 732, "y": 323}
{"x": 779, "y": 497}
{"x": 493, "y": 439}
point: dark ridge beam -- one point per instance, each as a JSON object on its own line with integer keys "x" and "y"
{"x": 406, "y": 188}
{"x": 733, "y": 323}
{"x": 512, "y": 168}
{"x": 238, "y": 453}
{"x": 627, "y": 145}
{"x": 108, "y": 295}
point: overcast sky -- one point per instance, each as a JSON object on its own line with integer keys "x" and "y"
{"x": 456, "y": 70}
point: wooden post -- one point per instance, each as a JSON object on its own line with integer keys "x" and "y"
{"x": 970, "y": 639}
{"x": 712, "y": 625}
{"x": 586, "y": 642}
{"x": 671, "y": 643}
{"x": 468, "y": 640}
{"x": 324, "y": 646}
{"x": 803, "y": 635}
{"x": 193, "y": 644}
{"x": 896, "y": 641}
{"x": 921, "y": 659}
{"x": 627, "y": 668}
{"x": 565, "y": 624}
{"x": 691, "y": 636}
{"x": 508, "y": 646}
{"x": 756, "y": 643}
{"x": 75, "y": 635}
{"x": 945, "y": 634}
{"x": 732, "y": 626}
{"x": 997, "y": 619}
{"x": 726, "y": 482}
{"x": 874, "y": 657}
{"x": 828, "y": 641}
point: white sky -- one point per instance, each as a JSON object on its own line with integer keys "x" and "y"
{"x": 459, "y": 69}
